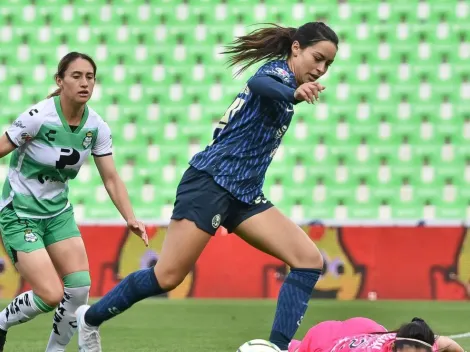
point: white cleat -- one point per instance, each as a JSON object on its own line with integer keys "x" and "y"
{"x": 89, "y": 339}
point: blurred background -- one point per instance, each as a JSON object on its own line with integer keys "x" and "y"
{"x": 388, "y": 143}
{"x": 377, "y": 173}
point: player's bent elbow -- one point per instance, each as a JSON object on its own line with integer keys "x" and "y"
{"x": 446, "y": 344}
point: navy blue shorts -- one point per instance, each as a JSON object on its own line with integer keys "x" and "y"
{"x": 201, "y": 200}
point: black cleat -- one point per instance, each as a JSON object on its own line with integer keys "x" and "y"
{"x": 3, "y": 339}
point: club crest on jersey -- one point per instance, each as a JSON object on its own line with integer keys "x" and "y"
{"x": 87, "y": 140}
{"x": 29, "y": 236}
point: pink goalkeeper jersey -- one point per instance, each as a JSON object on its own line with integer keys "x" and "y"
{"x": 358, "y": 343}
{"x": 368, "y": 343}
{"x": 364, "y": 343}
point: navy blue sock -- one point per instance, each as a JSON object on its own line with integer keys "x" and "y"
{"x": 292, "y": 304}
{"x": 134, "y": 288}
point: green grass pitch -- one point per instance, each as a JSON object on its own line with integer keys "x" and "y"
{"x": 223, "y": 325}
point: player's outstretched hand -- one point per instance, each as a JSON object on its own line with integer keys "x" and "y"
{"x": 139, "y": 229}
{"x": 308, "y": 91}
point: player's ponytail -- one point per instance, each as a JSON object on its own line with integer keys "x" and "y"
{"x": 64, "y": 65}
{"x": 275, "y": 42}
{"x": 55, "y": 93}
{"x": 416, "y": 334}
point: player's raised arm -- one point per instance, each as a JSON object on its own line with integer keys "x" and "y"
{"x": 271, "y": 87}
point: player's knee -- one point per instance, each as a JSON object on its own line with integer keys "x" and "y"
{"x": 51, "y": 295}
{"x": 308, "y": 258}
{"x": 77, "y": 286}
{"x": 170, "y": 279}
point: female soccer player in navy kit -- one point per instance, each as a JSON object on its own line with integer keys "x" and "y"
{"x": 223, "y": 185}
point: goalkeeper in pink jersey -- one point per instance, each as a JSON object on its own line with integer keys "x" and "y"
{"x": 366, "y": 335}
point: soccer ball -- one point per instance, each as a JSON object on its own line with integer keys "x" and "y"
{"x": 258, "y": 346}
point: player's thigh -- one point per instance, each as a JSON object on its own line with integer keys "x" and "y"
{"x": 37, "y": 269}
{"x": 23, "y": 242}
{"x": 20, "y": 234}
{"x": 201, "y": 206}
{"x": 64, "y": 244}
{"x": 182, "y": 246}
{"x": 68, "y": 256}
{"x": 273, "y": 233}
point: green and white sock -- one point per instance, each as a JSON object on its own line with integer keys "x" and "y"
{"x": 64, "y": 322}
{"x": 23, "y": 308}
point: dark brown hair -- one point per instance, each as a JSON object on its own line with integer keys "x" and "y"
{"x": 65, "y": 63}
{"x": 418, "y": 330}
{"x": 275, "y": 42}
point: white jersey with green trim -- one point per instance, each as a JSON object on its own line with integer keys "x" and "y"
{"x": 49, "y": 154}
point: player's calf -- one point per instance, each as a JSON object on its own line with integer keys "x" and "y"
{"x": 132, "y": 289}
{"x": 64, "y": 323}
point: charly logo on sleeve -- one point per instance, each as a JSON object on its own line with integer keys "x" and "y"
{"x": 19, "y": 124}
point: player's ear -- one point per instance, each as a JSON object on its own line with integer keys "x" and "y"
{"x": 295, "y": 48}
{"x": 58, "y": 81}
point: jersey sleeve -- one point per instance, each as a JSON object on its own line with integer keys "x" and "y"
{"x": 24, "y": 128}
{"x": 104, "y": 142}
{"x": 270, "y": 87}
{"x": 278, "y": 73}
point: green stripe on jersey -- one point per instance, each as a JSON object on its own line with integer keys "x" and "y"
{"x": 30, "y": 168}
{"x": 14, "y": 159}
{"x": 6, "y": 189}
{"x": 29, "y": 206}
{"x": 55, "y": 136}
{"x": 58, "y": 108}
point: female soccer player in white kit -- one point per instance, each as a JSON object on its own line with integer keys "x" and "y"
{"x": 50, "y": 141}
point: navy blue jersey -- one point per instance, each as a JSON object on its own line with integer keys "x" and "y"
{"x": 247, "y": 137}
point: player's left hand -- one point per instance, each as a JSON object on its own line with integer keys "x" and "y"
{"x": 309, "y": 92}
{"x": 138, "y": 228}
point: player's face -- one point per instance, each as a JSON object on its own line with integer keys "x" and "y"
{"x": 312, "y": 62}
{"x": 78, "y": 81}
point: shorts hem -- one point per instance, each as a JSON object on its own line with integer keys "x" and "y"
{"x": 211, "y": 233}
{"x": 237, "y": 223}
{"x": 13, "y": 252}
{"x": 77, "y": 234}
